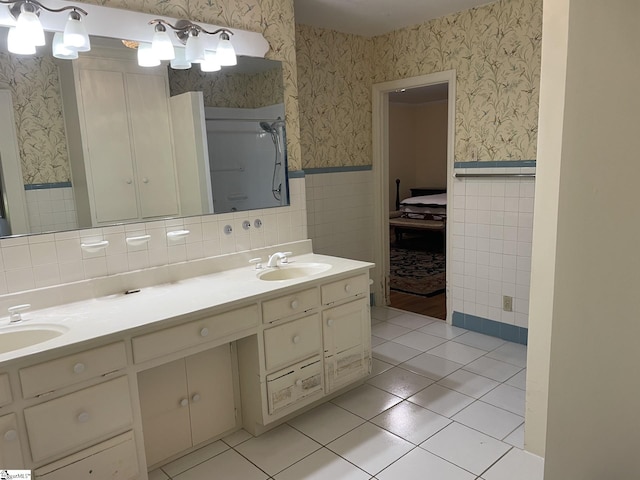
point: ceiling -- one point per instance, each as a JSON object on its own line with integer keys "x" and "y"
{"x": 375, "y": 17}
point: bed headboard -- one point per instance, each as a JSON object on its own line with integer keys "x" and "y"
{"x": 417, "y": 192}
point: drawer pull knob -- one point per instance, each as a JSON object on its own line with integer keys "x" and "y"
{"x": 195, "y": 398}
{"x": 78, "y": 368}
{"x": 204, "y": 332}
{"x": 298, "y": 383}
{"x": 83, "y": 417}
{"x": 184, "y": 402}
{"x": 330, "y": 322}
{"x": 294, "y": 304}
{"x": 10, "y": 435}
{"x": 296, "y": 339}
{"x": 347, "y": 288}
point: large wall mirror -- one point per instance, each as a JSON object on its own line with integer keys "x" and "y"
{"x": 101, "y": 140}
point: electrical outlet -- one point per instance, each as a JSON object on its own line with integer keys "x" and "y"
{"x": 507, "y": 303}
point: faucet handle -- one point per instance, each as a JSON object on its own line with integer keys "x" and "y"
{"x": 285, "y": 258}
{"x": 258, "y": 262}
{"x": 15, "y": 311}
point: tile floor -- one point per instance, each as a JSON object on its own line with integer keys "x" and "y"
{"x": 442, "y": 403}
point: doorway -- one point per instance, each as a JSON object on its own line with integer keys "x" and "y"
{"x": 417, "y": 232}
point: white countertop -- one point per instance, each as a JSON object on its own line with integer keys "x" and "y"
{"x": 118, "y": 313}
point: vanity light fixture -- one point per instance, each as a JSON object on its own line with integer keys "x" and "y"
{"x": 27, "y": 34}
{"x": 192, "y": 36}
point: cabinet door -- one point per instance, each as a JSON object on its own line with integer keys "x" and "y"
{"x": 10, "y": 451}
{"x": 154, "y": 159}
{"x": 210, "y": 383}
{"x": 111, "y": 177}
{"x": 344, "y": 327}
{"x": 165, "y": 412}
{"x": 347, "y": 344}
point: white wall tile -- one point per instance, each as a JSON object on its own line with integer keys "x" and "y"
{"x": 498, "y": 220}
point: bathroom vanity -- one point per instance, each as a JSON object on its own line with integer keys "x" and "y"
{"x": 202, "y": 349}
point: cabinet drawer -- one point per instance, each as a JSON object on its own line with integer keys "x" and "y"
{"x": 345, "y": 288}
{"x": 71, "y": 421}
{"x": 292, "y": 341}
{"x": 170, "y": 340}
{"x": 293, "y": 384}
{"x": 73, "y": 369}
{"x": 346, "y": 367}
{"x": 5, "y": 390}
{"x": 289, "y": 305}
{"x": 10, "y": 451}
{"x": 114, "y": 459}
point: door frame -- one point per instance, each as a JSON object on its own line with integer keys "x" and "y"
{"x": 380, "y": 125}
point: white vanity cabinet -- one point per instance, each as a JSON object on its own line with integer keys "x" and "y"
{"x": 313, "y": 342}
{"x": 10, "y": 450}
{"x": 134, "y": 177}
{"x": 186, "y": 402}
{"x": 346, "y": 330}
{"x": 112, "y": 403}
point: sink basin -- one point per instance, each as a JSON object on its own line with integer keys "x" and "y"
{"x": 293, "y": 270}
{"x": 14, "y": 337}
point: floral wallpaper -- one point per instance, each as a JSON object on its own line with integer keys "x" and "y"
{"x": 37, "y": 106}
{"x": 334, "y": 81}
{"x": 36, "y": 92}
{"x": 495, "y": 50}
{"x": 220, "y": 89}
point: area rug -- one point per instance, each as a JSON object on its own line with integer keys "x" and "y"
{"x": 417, "y": 272}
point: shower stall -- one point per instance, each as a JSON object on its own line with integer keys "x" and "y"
{"x": 247, "y": 157}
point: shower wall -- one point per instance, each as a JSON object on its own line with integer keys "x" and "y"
{"x": 243, "y": 158}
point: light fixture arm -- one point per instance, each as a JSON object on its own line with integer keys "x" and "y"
{"x": 16, "y": 5}
{"x": 184, "y": 27}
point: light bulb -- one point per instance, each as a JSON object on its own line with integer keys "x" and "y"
{"x": 60, "y": 51}
{"x": 75, "y": 34}
{"x": 161, "y": 44}
{"x": 29, "y": 26}
{"x": 146, "y": 56}
{"x": 225, "y": 51}
{"x": 210, "y": 63}
{"x": 194, "y": 52}
{"x": 180, "y": 62}
{"x": 18, "y": 44}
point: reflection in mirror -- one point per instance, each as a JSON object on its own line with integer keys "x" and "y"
{"x": 136, "y": 143}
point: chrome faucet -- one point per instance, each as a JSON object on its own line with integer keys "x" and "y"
{"x": 273, "y": 259}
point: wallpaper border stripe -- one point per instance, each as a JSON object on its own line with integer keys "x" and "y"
{"x": 47, "y": 186}
{"x": 505, "y": 331}
{"x": 347, "y": 168}
{"x": 497, "y": 164}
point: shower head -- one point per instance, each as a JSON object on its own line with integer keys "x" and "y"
{"x": 269, "y": 128}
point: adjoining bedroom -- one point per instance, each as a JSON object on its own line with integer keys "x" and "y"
{"x": 418, "y": 199}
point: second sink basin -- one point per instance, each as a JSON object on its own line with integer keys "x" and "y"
{"x": 293, "y": 270}
{"x": 21, "y": 336}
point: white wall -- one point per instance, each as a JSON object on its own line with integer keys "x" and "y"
{"x": 340, "y": 213}
{"x": 51, "y": 209}
{"x": 593, "y": 426}
{"x": 492, "y": 225}
{"x": 417, "y": 147}
{"x": 51, "y": 259}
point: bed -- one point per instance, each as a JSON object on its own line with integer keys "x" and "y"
{"x": 424, "y": 210}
